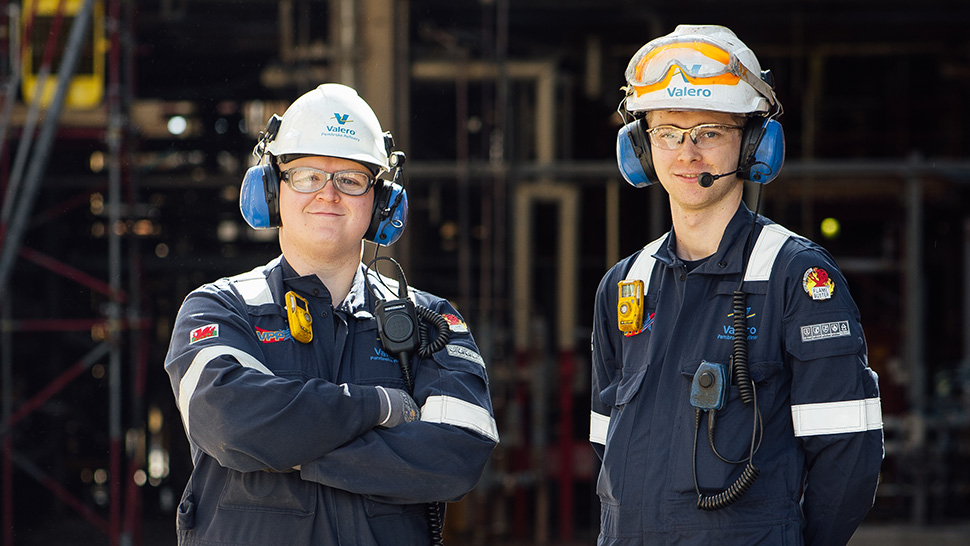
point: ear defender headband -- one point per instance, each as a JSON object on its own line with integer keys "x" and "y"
{"x": 259, "y": 194}
{"x": 761, "y": 157}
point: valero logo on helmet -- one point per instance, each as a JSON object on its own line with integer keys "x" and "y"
{"x": 342, "y": 131}
{"x": 688, "y": 75}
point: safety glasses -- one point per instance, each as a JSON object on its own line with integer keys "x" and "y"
{"x": 704, "y": 136}
{"x": 310, "y": 180}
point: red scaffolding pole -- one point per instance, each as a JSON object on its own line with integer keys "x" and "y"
{"x": 121, "y": 526}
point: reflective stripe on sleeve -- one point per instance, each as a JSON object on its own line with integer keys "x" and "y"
{"x": 837, "y": 417}
{"x": 449, "y": 410}
{"x": 190, "y": 380}
{"x": 598, "y": 425}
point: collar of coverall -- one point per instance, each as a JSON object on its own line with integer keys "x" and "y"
{"x": 727, "y": 260}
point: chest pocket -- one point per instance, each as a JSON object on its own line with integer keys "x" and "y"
{"x": 269, "y": 325}
{"x": 367, "y": 362}
{"x": 633, "y": 355}
{"x": 765, "y": 375}
{"x": 634, "y": 348}
{"x": 290, "y": 358}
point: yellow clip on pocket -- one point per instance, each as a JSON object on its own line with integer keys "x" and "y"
{"x": 299, "y": 317}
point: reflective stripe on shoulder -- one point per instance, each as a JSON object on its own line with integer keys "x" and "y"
{"x": 599, "y": 424}
{"x": 253, "y": 287}
{"x": 190, "y": 380}
{"x": 642, "y": 267}
{"x": 770, "y": 241}
{"x": 449, "y": 410}
{"x": 837, "y": 417}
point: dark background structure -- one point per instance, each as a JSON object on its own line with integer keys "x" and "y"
{"x": 507, "y": 113}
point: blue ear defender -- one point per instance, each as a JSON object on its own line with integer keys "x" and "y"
{"x": 390, "y": 213}
{"x": 633, "y": 155}
{"x": 259, "y": 197}
{"x": 768, "y": 155}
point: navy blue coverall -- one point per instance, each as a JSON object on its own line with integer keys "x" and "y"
{"x": 821, "y": 444}
{"x": 283, "y": 434}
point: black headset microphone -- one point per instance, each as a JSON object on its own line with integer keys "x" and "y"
{"x": 706, "y": 180}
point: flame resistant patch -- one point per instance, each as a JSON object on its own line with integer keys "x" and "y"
{"x": 455, "y": 324}
{"x": 817, "y": 284}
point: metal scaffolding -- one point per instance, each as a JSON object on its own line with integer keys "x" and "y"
{"x": 121, "y": 315}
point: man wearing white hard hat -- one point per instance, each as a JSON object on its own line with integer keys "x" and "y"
{"x": 732, "y": 402}
{"x": 325, "y": 403}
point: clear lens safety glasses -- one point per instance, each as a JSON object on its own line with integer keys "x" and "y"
{"x": 310, "y": 180}
{"x": 704, "y": 136}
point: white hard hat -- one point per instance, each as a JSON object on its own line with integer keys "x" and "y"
{"x": 697, "y": 67}
{"x": 332, "y": 120}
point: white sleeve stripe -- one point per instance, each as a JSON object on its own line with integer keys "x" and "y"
{"x": 190, "y": 380}
{"x": 599, "y": 424}
{"x": 449, "y": 410}
{"x": 837, "y": 417}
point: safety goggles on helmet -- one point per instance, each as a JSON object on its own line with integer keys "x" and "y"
{"x": 697, "y": 60}
{"x": 310, "y": 180}
{"x": 705, "y": 136}
{"x": 698, "y": 67}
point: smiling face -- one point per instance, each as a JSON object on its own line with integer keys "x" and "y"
{"x": 678, "y": 169}
{"x": 324, "y": 225}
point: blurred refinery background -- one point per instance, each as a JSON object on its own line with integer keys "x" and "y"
{"x": 126, "y": 126}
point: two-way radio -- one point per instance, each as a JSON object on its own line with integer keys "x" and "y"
{"x": 738, "y": 368}
{"x": 403, "y": 335}
{"x": 401, "y": 332}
